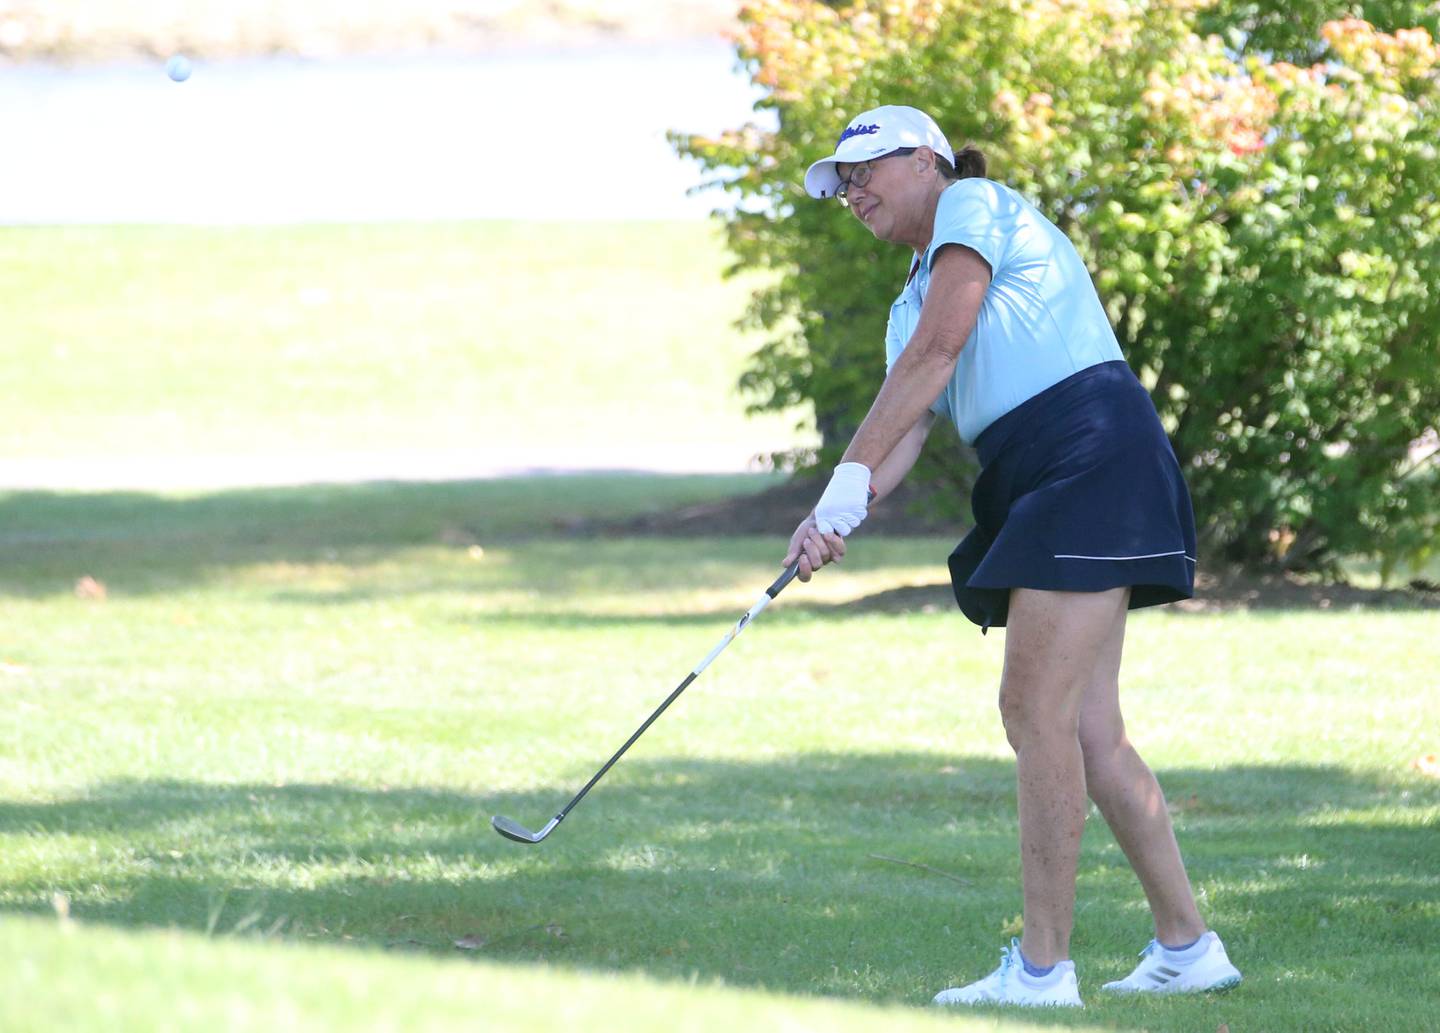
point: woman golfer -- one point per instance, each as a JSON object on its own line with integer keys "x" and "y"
{"x": 1081, "y": 514}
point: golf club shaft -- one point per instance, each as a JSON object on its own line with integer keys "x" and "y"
{"x": 764, "y": 601}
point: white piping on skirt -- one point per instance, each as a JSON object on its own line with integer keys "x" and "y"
{"x": 1147, "y": 556}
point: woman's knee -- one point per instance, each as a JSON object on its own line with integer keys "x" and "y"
{"x": 1110, "y": 761}
{"x": 1030, "y": 714}
{"x": 1102, "y": 728}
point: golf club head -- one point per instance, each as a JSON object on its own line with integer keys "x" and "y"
{"x": 519, "y": 833}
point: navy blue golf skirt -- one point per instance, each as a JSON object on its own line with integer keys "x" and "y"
{"x": 1079, "y": 491}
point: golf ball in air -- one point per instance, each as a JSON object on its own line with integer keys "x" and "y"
{"x": 178, "y": 68}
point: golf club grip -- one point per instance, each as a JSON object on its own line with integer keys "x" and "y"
{"x": 783, "y": 580}
{"x": 794, "y": 568}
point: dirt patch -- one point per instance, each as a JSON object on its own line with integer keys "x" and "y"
{"x": 777, "y": 510}
{"x": 1238, "y": 590}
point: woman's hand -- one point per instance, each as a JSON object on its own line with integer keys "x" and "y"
{"x": 813, "y": 549}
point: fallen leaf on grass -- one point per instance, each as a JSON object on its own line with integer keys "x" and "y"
{"x": 1428, "y": 765}
{"x": 475, "y": 941}
{"x": 1180, "y": 806}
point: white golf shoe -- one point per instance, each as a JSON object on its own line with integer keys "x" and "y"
{"x": 1204, "y": 966}
{"x": 1011, "y": 984}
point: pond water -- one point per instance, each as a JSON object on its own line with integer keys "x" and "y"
{"x": 534, "y": 135}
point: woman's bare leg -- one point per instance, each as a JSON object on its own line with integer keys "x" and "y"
{"x": 1053, "y": 644}
{"x": 1129, "y": 797}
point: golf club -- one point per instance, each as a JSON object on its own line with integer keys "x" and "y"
{"x": 520, "y": 834}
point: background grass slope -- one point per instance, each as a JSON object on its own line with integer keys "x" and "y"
{"x": 489, "y": 338}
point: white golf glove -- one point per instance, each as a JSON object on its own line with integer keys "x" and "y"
{"x": 845, "y": 501}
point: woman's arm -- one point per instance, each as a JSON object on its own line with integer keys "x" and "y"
{"x": 952, "y": 305}
{"x": 886, "y": 477}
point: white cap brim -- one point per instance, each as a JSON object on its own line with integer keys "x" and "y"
{"x": 821, "y": 179}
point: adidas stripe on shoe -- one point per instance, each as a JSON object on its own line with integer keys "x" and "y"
{"x": 1198, "y": 969}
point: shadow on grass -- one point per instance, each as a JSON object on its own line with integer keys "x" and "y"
{"x": 872, "y": 876}
{"x": 45, "y": 536}
{"x": 147, "y": 543}
{"x": 1227, "y": 592}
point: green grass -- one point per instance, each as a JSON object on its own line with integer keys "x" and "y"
{"x": 249, "y": 788}
{"x": 250, "y": 983}
{"x": 264, "y": 766}
{"x": 489, "y": 338}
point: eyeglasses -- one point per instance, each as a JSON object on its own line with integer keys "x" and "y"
{"x": 860, "y": 175}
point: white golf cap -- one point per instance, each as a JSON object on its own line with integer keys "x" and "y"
{"x": 876, "y": 132}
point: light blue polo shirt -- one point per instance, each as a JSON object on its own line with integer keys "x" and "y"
{"x": 1040, "y": 320}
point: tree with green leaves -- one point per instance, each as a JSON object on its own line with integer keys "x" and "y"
{"x": 1264, "y": 233}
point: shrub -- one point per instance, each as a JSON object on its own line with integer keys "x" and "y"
{"x": 1264, "y": 235}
